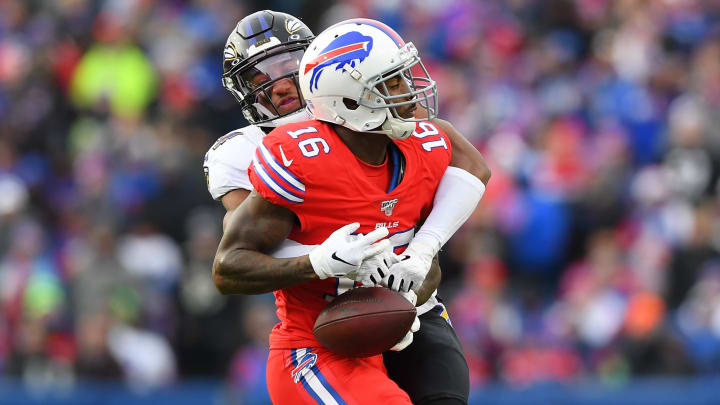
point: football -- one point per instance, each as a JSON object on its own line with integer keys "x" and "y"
{"x": 364, "y": 322}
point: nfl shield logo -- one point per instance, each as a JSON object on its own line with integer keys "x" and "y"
{"x": 387, "y": 206}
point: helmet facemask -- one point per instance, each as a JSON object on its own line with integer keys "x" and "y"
{"x": 253, "y": 86}
{"x": 422, "y": 89}
{"x": 263, "y": 51}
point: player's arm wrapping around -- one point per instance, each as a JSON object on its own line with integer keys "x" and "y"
{"x": 241, "y": 267}
{"x": 232, "y": 200}
{"x": 464, "y": 154}
{"x": 431, "y": 283}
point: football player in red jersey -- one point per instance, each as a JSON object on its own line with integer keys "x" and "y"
{"x": 414, "y": 368}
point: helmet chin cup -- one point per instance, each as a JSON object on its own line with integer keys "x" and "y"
{"x": 397, "y": 128}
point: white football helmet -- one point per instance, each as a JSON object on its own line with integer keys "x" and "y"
{"x": 343, "y": 77}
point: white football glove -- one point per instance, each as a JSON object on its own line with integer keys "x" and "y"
{"x": 373, "y": 269}
{"x": 342, "y": 252}
{"x": 410, "y": 272}
{"x": 405, "y": 341}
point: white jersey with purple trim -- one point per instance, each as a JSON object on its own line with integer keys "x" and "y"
{"x": 227, "y": 161}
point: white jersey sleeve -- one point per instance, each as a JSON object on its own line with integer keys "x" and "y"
{"x": 227, "y": 161}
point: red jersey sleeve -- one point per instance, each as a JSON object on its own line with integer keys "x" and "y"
{"x": 432, "y": 152}
{"x": 273, "y": 175}
{"x": 433, "y": 146}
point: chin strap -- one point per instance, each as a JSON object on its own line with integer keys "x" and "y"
{"x": 395, "y": 128}
{"x": 392, "y": 127}
{"x": 398, "y": 129}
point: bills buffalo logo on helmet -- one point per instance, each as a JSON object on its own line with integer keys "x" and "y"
{"x": 348, "y": 49}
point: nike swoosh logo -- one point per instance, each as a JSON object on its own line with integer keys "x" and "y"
{"x": 286, "y": 162}
{"x": 335, "y": 256}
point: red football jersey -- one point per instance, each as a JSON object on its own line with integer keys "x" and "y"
{"x": 307, "y": 168}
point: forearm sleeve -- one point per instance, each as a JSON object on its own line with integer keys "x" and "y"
{"x": 458, "y": 193}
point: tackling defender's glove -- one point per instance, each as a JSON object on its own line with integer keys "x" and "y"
{"x": 373, "y": 269}
{"x": 342, "y": 252}
{"x": 410, "y": 272}
{"x": 405, "y": 341}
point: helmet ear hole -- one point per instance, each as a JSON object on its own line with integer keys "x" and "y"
{"x": 350, "y": 104}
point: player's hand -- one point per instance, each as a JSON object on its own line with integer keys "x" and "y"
{"x": 410, "y": 272}
{"x": 405, "y": 341}
{"x": 342, "y": 252}
{"x": 373, "y": 269}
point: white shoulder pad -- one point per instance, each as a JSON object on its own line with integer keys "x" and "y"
{"x": 227, "y": 161}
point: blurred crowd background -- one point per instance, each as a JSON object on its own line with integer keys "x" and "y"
{"x": 593, "y": 255}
